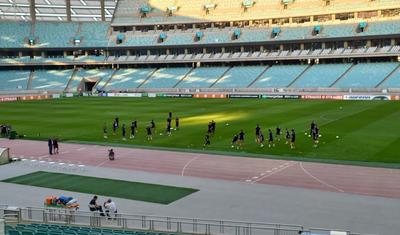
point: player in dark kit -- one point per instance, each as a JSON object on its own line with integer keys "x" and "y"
{"x": 136, "y": 126}
{"x": 168, "y": 130}
{"x": 241, "y": 138}
{"x": 133, "y": 130}
{"x": 293, "y": 139}
{"x": 278, "y": 133}
{"x": 117, "y": 120}
{"x": 149, "y": 134}
{"x": 153, "y": 126}
{"x": 206, "y": 140}
{"x": 258, "y": 134}
{"x": 312, "y": 126}
{"x": 287, "y": 136}
{"x": 123, "y": 132}
{"x": 176, "y": 123}
{"x": 213, "y": 126}
{"x": 115, "y": 126}
{"x": 209, "y": 128}
{"x": 170, "y": 115}
{"x": 270, "y": 139}
{"x": 315, "y": 136}
{"x": 105, "y": 134}
{"x": 234, "y": 141}
{"x": 261, "y": 139}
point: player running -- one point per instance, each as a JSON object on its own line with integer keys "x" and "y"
{"x": 241, "y": 139}
{"x": 149, "y": 133}
{"x": 258, "y": 129}
{"x": 278, "y": 133}
{"x": 287, "y": 136}
{"x": 261, "y": 139}
{"x": 270, "y": 139}
{"x": 293, "y": 139}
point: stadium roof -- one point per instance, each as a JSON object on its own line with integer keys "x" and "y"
{"x": 57, "y": 10}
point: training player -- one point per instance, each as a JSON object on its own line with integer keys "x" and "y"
{"x": 123, "y": 132}
{"x": 213, "y": 126}
{"x": 258, "y": 134}
{"x": 136, "y": 125}
{"x": 287, "y": 136}
{"x": 241, "y": 138}
{"x": 133, "y": 130}
{"x": 115, "y": 126}
{"x": 315, "y": 136}
{"x": 168, "y": 130}
{"x": 105, "y": 134}
{"x": 207, "y": 141}
{"x": 278, "y": 133}
{"x": 261, "y": 139}
{"x": 270, "y": 139}
{"x": 149, "y": 134}
{"x": 117, "y": 120}
{"x": 312, "y": 126}
{"x": 235, "y": 141}
{"x": 209, "y": 128}
{"x": 293, "y": 139}
{"x": 176, "y": 123}
{"x": 153, "y": 126}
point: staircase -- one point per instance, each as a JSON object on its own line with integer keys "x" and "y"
{"x": 218, "y": 79}
{"x": 299, "y": 76}
{"x": 344, "y": 74}
{"x": 388, "y": 76}
{"x": 259, "y": 76}
{"x": 184, "y": 77}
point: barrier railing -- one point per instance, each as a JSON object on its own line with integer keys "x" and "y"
{"x": 159, "y": 223}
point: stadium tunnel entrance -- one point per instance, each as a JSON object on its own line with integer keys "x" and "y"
{"x": 89, "y": 83}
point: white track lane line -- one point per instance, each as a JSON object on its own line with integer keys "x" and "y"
{"x": 274, "y": 172}
{"x": 187, "y": 164}
{"x": 320, "y": 181}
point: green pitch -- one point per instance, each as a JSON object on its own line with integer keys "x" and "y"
{"x": 367, "y": 131}
{"x": 105, "y": 187}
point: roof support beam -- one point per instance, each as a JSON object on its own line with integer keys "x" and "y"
{"x": 32, "y": 10}
{"x": 103, "y": 10}
{"x": 68, "y": 9}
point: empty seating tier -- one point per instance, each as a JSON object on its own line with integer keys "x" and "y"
{"x": 166, "y": 78}
{"x": 125, "y": 79}
{"x": 14, "y": 80}
{"x": 51, "y": 79}
{"x": 321, "y": 75}
{"x": 202, "y": 77}
{"x": 279, "y": 76}
{"x": 240, "y": 77}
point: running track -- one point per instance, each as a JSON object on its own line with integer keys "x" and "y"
{"x": 327, "y": 177}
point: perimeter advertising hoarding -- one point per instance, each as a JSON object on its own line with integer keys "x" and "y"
{"x": 280, "y": 96}
{"x": 210, "y": 96}
{"x": 367, "y": 97}
{"x": 252, "y": 96}
{"x": 322, "y": 97}
{"x": 8, "y": 99}
{"x": 135, "y": 95}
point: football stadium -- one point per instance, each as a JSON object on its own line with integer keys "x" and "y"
{"x": 214, "y": 117}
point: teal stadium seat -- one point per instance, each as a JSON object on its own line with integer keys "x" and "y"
{"x": 14, "y": 80}
{"x": 240, "y": 77}
{"x": 202, "y": 77}
{"x": 125, "y": 79}
{"x": 279, "y": 76}
{"x": 165, "y": 78}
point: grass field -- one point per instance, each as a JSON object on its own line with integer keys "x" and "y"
{"x": 368, "y": 131}
{"x": 106, "y": 187}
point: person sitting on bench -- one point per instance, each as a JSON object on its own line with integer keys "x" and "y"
{"x": 93, "y": 206}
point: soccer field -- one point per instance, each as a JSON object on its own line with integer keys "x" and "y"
{"x": 367, "y": 131}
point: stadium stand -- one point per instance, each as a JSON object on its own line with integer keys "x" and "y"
{"x": 202, "y": 77}
{"x": 14, "y": 80}
{"x": 365, "y": 75}
{"x": 93, "y": 34}
{"x": 51, "y": 79}
{"x": 93, "y": 75}
{"x": 240, "y": 77}
{"x": 166, "y": 77}
{"x": 393, "y": 80}
{"x": 13, "y": 34}
{"x": 63, "y": 37}
{"x": 125, "y": 79}
{"x": 321, "y": 75}
{"x": 279, "y": 76}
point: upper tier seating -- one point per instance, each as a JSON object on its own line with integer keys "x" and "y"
{"x": 125, "y": 79}
{"x": 202, "y": 77}
{"x": 51, "y": 79}
{"x": 13, "y": 34}
{"x": 240, "y": 77}
{"x": 321, "y": 75}
{"x": 14, "y": 80}
{"x": 166, "y": 78}
{"x": 94, "y": 34}
{"x": 279, "y": 76}
{"x": 366, "y": 75}
{"x": 52, "y": 34}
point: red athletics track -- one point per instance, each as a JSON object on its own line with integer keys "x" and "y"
{"x": 328, "y": 177}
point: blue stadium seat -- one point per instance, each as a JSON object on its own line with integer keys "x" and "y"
{"x": 51, "y": 79}
{"x": 125, "y": 79}
{"x": 321, "y": 75}
{"x": 202, "y": 77}
{"x": 279, "y": 76}
{"x": 166, "y": 77}
{"x": 14, "y": 80}
{"x": 240, "y": 77}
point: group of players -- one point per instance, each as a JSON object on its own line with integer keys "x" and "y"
{"x": 150, "y": 128}
{"x": 238, "y": 139}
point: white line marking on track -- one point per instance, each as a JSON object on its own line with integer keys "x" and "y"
{"x": 320, "y": 181}
{"x": 187, "y": 164}
{"x": 80, "y": 149}
{"x": 273, "y": 172}
{"x": 102, "y": 163}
